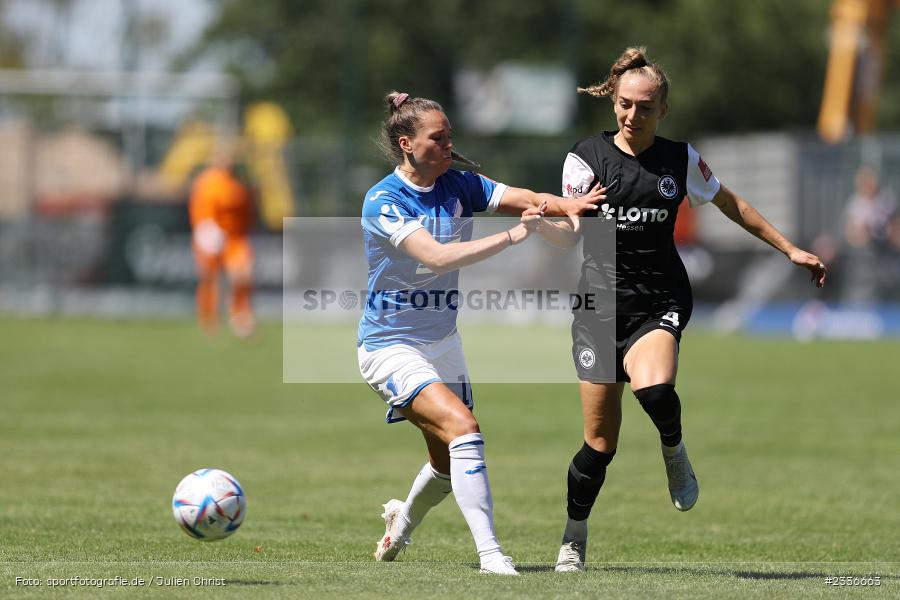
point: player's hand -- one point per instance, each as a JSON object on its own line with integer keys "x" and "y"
{"x": 590, "y": 201}
{"x": 812, "y": 263}
{"x": 533, "y": 217}
{"x": 209, "y": 237}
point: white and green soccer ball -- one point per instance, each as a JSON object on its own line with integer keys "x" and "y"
{"x": 209, "y": 504}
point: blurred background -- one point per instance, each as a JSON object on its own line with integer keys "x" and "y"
{"x": 110, "y": 108}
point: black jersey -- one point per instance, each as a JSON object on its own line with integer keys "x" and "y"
{"x": 642, "y": 200}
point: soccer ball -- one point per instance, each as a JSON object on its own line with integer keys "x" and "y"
{"x": 209, "y": 504}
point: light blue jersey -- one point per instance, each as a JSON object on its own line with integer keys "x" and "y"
{"x": 407, "y": 302}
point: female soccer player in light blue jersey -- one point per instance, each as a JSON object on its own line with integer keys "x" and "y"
{"x": 408, "y": 348}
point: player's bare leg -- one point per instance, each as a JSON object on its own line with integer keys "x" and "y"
{"x": 439, "y": 412}
{"x": 652, "y": 365}
{"x": 240, "y": 308}
{"x": 601, "y": 408}
{"x": 208, "y": 300}
{"x": 438, "y": 453}
{"x": 652, "y": 359}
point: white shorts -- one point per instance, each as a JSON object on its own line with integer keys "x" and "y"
{"x": 399, "y": 372}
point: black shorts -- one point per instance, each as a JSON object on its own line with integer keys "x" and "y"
{"x": 599, "y": 343}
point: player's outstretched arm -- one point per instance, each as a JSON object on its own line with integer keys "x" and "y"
{"x": 442, "y": 258}
{"x": 518, "y": 200}
{"x": 741, "y": 212}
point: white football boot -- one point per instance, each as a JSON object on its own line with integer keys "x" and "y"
{"x": 683, "y": 487}
{"x": 395, "y": 527}
{"x": 498, "y": 564}
{"x": 571, "y": 556}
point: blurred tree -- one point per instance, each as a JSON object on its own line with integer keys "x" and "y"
{"x": 12, "y": 43}
{"x": 734, "y": 66}
{"x": 889, "y": 107}
{"x": 11, "y": 49}
{"x": 309, "y": 56}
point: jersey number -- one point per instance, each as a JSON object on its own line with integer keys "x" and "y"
{"x": 465, "y": 391}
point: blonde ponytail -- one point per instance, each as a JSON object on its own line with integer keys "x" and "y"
{"x": 634, "y": 58}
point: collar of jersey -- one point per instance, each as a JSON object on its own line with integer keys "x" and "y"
{"x": 409, "y": 183}
{"x": 609, "y": 138}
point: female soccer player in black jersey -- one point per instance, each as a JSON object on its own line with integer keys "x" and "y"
{"x": 634, "y": 337}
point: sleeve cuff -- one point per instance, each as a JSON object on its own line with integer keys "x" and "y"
{"x": 494, "y": 202}
{"x": 401, "y": 234}
{"x": 698, "y": 200}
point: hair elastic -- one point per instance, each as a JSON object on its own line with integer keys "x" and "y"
{"x": 400, "y": 99}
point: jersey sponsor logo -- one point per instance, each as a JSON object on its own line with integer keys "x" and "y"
{"x": 390, "y": 226}
{"x": 376, "y": 194}
{"x": 571, "y": 191}
{"x": 704, "y": 169}
{"x": 586, "y": 358}
{"x": 634, "y": 214}
{"x": 667, "y": 187}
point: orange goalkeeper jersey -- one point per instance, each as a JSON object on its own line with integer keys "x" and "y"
{"x": 218, "y": 195}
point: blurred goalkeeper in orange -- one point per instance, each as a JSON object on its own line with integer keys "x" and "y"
{"x": 221, "y": 209}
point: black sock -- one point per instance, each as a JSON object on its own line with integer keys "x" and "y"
{"x": 661, "y": 402}
{"x": 587, "y": 472}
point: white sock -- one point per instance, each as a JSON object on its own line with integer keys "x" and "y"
{"x": 428, "y": 489}
{"x": 672, "y": 450}
{"x": 468, "y": 475}
{"x": 576, "y": 531}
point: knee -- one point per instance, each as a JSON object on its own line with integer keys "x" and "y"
{"x": 589, "y": 464}
{"x": 206, "y": 276}
{"x": 659, "y": 401}
{"x": 462, "y": 425}
{"x": 241, "y": 278}
{"x": 600, "y": 443}
{"x": 460, "y": 422}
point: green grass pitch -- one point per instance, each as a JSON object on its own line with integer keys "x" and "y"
{"x": 796, "y": 447}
